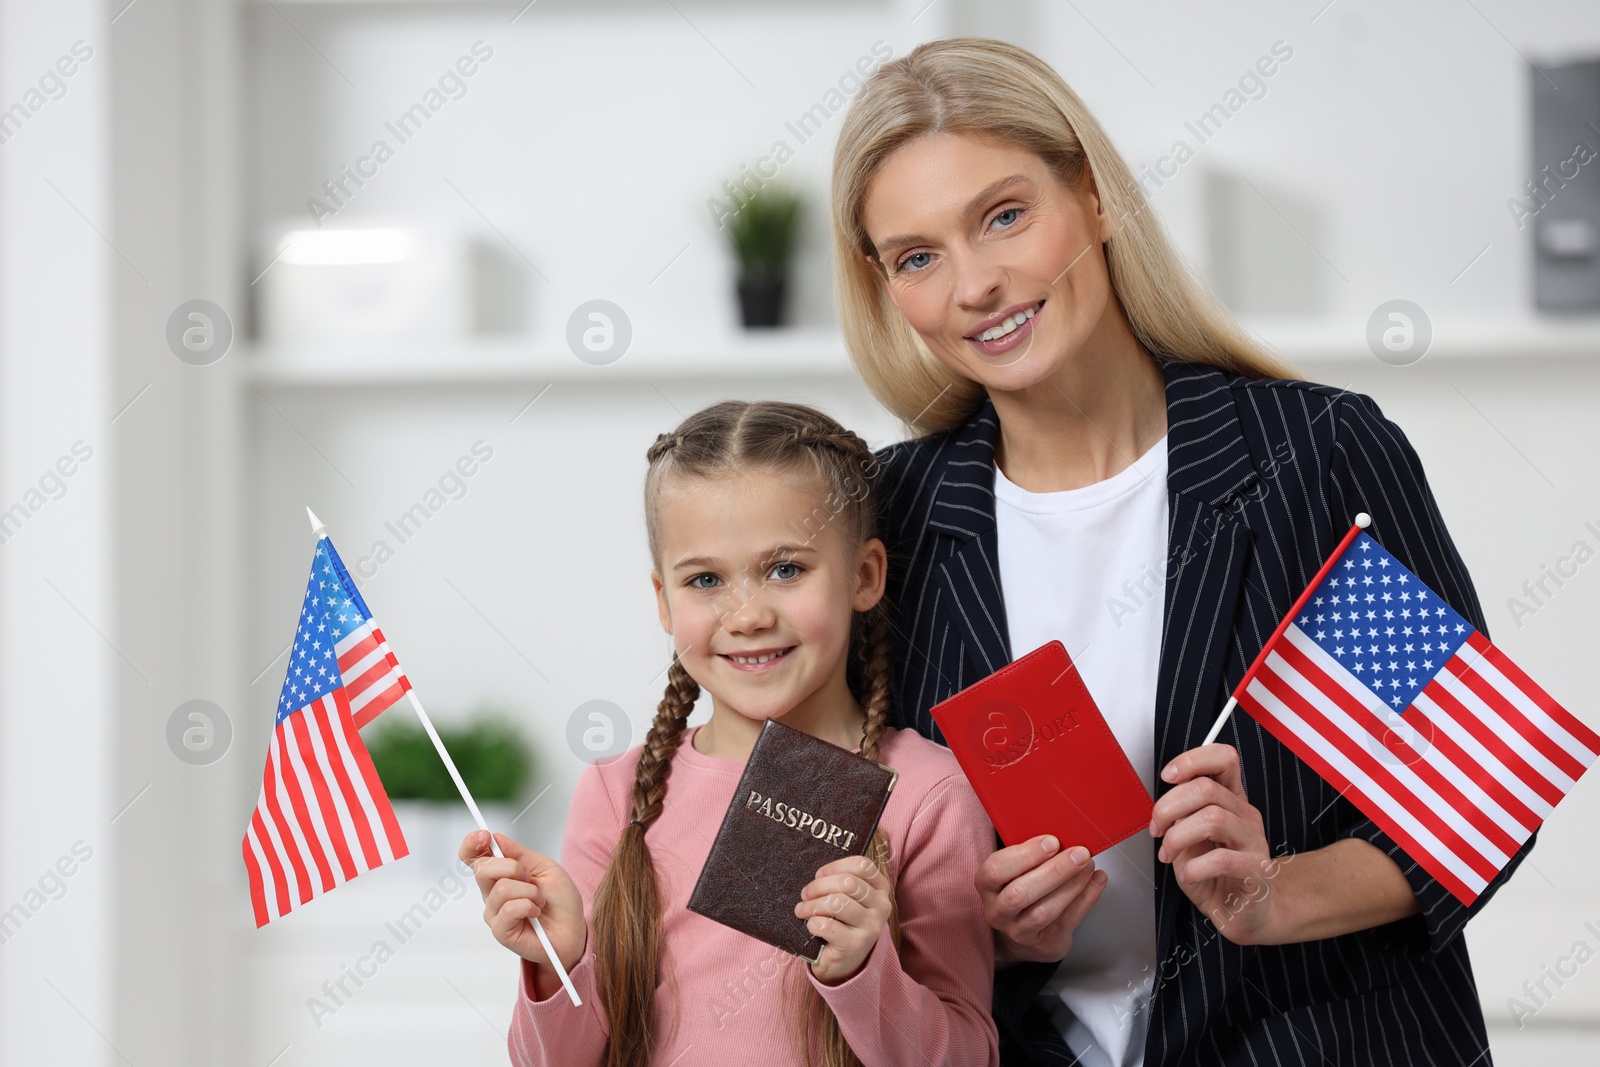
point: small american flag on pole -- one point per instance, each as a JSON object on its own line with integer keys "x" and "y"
{"x": 1399, "y": 702}
{"x": 323, "y": 817}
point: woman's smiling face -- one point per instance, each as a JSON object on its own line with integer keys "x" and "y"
{"x": 994, "y": 262}
{"x": 749, "y": 574}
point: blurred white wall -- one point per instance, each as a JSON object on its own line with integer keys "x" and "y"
{"x": 59, "y": 667}
{"x": 584, "y": 150}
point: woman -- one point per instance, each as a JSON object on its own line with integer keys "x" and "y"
{"x": 1097, "y": 436}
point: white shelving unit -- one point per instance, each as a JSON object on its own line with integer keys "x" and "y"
{"x": 1313, "y": 343}
{"x": 492, "y": 360}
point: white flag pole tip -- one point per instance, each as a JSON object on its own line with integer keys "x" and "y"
{"x": 318, "y": 527}
{"x": 1363, "y": 520}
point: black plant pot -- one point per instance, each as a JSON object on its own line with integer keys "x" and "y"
{"x": 761, "y": 300}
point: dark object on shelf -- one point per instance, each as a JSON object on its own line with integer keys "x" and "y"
{"x": 1560, "y": 203}
{"x": 762, "y": 231}
{"x": 761, "y": 301}
{"x": 491, "y": 755}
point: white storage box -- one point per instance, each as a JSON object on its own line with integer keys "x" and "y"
{"x": 383, "y": 282}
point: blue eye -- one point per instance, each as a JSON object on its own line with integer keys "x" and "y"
{"x": 910, "y": 262}
{"x": 1007, "y": 217}
{"x": 694, "y": 583}
{"x": 786, "y": 563}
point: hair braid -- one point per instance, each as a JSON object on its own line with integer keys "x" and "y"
{"x": 627, "y": 904}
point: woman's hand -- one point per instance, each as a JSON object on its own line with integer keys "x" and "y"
{"x": 1034, "y": 896}
{"x": 847, "y": 905}
{"x": 520, "y": 887}
{"x": 1217, "y": 844}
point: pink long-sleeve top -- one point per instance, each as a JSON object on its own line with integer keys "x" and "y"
{"x": 926, "y": 1005}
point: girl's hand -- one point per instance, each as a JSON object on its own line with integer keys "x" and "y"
{"x": 847, "y": 905}
{"x": 1217, "y": 844}
{"x": 519, "y": 887}
{"x": 1035, "y": 895}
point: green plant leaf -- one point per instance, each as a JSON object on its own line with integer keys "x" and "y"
{"x": 491, "y": 754}
{"x": 763, "y": 230}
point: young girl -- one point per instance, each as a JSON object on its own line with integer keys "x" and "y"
{"x": 768, "y": 576}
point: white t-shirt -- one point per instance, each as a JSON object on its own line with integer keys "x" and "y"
{"x": 1087, "y": 567}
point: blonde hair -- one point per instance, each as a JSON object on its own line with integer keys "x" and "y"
{"x": 728, "y": 437}
{"x": 973, "y": 85}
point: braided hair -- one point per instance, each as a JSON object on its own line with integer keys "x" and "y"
{"x": 626, "y": 918}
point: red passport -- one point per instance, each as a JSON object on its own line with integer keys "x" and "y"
{"x": 1040, "y": 756}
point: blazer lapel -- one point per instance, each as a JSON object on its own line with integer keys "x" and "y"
{"x": 963, "y": 509}
{"x": 1208, "y": 547}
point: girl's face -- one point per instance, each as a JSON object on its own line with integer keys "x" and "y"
{"x": 996, "y": 264}
{"x": 758, "y": 587}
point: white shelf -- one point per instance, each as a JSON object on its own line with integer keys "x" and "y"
{"x": 786, "y": 352}
{"x": 1322, "y": 340}
{"x": 790, "y": 352}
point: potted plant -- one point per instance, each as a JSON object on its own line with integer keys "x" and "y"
{"x": 492, "y": 756}
{"x": 762, "y": 231}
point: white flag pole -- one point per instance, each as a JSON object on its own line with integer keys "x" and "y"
{"x": 1216, "y": 727}
{"x": 321, "y": 530}
{"x": 1363, "y": 520}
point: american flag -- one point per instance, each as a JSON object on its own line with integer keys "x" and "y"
{"x": 1410, "y": 712}
{"x": 323, "y": 817}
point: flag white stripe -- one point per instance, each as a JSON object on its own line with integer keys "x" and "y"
{"x": 1505, "y": 731}
{"x": 353, "y": 638}
{"x": 1444, "y": 721}
{"x": 269, "y": 887}
{"x": 323, "y": 713}
{"x": 275, "y": 839}
{"x": 1514, "y": 695}
{"x": 1362, "y": 781}
{"x": 1403, "y": 773}
{"x": 362, "y": 666}
{"x": 286, "y": 805}
{"x": 360, "y": 697}
{"x": 368, "y": 808}
{"x": 374, "y": 691}
{"x": 318, "y": 826}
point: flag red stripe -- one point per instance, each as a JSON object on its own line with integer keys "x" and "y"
{"x": 291, "y": 851}
{"x": 1492, "y": 736}
{"x": 1469, "y": 765}
{"x": 1531, "y": 689}
{"x": 279, "y": 883}
{"x": 330, "y": 811}
{"x": 1374, "y": 768}
{"x": 297, "y": 799}
{"x": 1486, "y": 736}
{"x": 382, "y": 702}
{"x": 370, "y": 677}
{"x": 369, "y": 773}
{"x": 1363, "y": 716}
{"x": 258, "y": 891}
{"x": 1377, "y": 813}
{"x": 341, "y": 774}
{"x": 358, "y": 652}
{"x": 1516, "y": 720}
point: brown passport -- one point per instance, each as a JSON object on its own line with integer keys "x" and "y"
{"x": 801, "y": 803}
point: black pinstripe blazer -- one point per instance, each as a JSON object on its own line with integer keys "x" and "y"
{"x": 1264, "y": 477}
